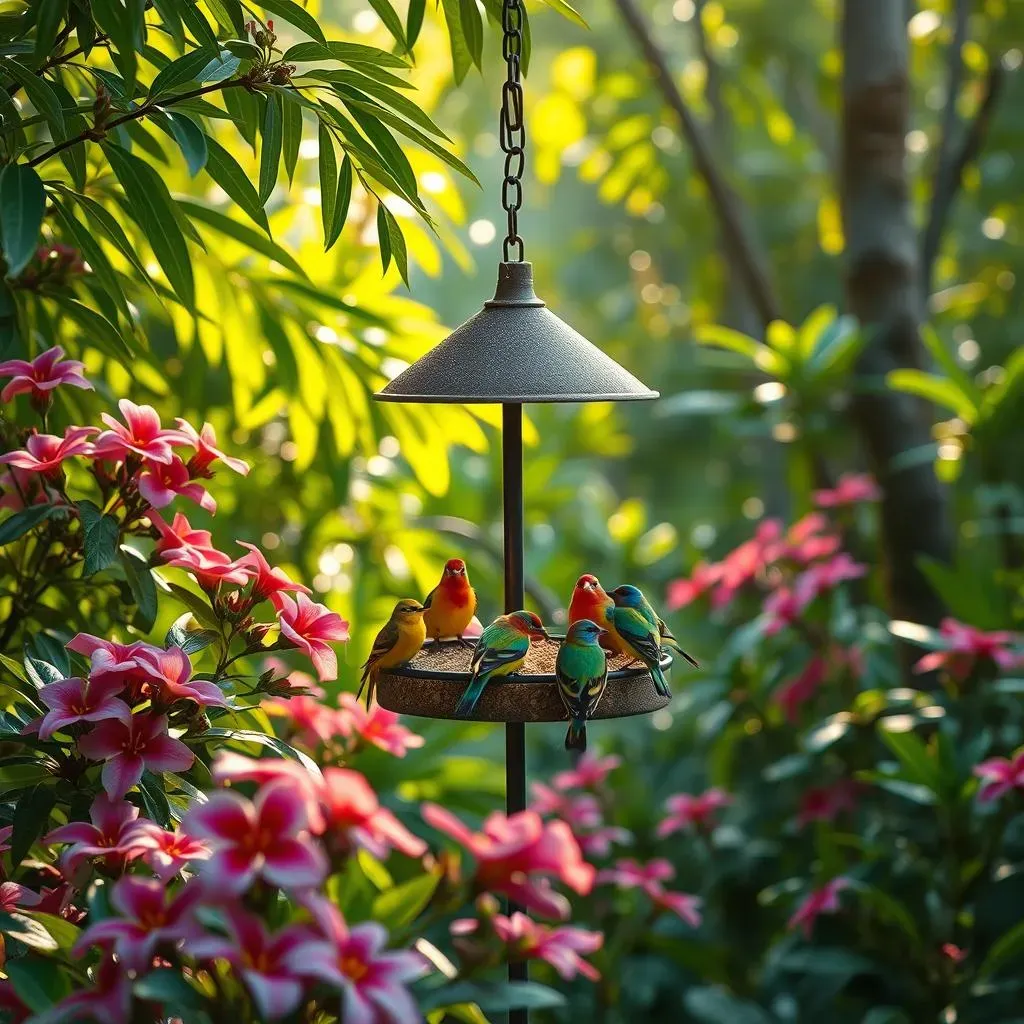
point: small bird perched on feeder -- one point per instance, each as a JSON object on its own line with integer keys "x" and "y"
{"x": 590, "y": 601}
{"x": 451, "y": 605}
{"x": 500, "y": 651}
{"x": 632, "y": 597}
{"x": 641, "y": 641}
{"x": 398, "y": 642}
{"x": 581, "y": 669}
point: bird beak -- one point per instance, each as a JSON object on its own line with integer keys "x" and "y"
{"x": 601, "y": 633}
{"x": 588, "y": 585}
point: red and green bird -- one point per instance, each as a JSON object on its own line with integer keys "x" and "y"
{"x": 581, "y": 669}
{"x": 501, "y": 650}
{"x": 451, "y": 605}
{"x": 589, "y": 601}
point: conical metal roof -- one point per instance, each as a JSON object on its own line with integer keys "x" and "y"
{"x": 515, "y": 350}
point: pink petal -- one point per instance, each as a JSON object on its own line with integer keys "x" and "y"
{"x": 166, "y": 754}
{"x": 226, "y": 816}
{"x": 121, "y": 773}
{"x": 274, "y": 996}
{"x": 292, "y": 864}
{"x": 279, "y": 809}
{"x": 229, "y": 872}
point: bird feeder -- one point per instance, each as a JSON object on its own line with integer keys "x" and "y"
{"x": 515, "y": 351}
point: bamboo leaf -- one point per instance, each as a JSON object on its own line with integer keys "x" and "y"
{"x": 414, "y": 21}
{"x": 270, "y": 151}
{"x": 344, "y": 52}
{"x": 188, "y": 135}
{"x": 39, "y": 91}
{"x": 933, "y": 388}
{"x": 341, "y": 203}
{"x": 22, "y": 205}
{"x": 298, "y": 16}
{"x": 291, "y": 130}
{"x": 472, "y": 29}
{"x": 184, "y": 69}
{"x": 328, "y": 166}
{"x": 392, "y": 22}
{"x": 224, "y": 169}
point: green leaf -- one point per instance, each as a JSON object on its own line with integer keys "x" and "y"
{"x": 383, "y": 238}
{"x": 49, "y": 14}
{"x": 712, "y": 1005}
{"x": 229, "y": 14}
{"x": 493, "y": 997}
{"x": 38, "y": 90}
{"x": 123, "y": 21}
{"x": 1007, "y": 948}
{"x": 265, "y": 740}
{"x": 184, "y": 69}
{"x": 328, "y": 167}
{"x": 97, "y": 329}
{"x": 947, "y": 361}
{"x": 396, "y": 242}
{"x": 244, "y": 109}
{"x": 396, "y": 162}
{"x": 472, "y": 29}
{"x": 220, "y": 68}
{"x": 414, "y": 21}
{"x": 363, "y": 87}
{"x": 64, "y": 933}
{"x": 223, "y": 168}
{"x": 243, "y": 49}
{"x": 197, "y": 605}
{"x": 105, "y": 222}
{"x": 44, "y": 932}
{"x": 462, "y": 58}
{"x": 31, "y": 816}
{"x": 13, "y": 667}
{"x": 344, "y": 52}
{"x": 151, "y": 205}
{"x": 154, "y": 799}
{"x": 270, "y": 151}
{"x": 21, "y": 522}
{"x": 191, "y": 139}
{"x": 298, "y": 16}
{"x": 22, "y": 205}
{"x": 725, "y": 337}
{"x": 189, "y": 637}
{"x": 197, "y": 23}
{"x": 940, "y": 390}
{"x": 14, "y": 777}
{"x": 918, "y": 764}
{"x": 101, "y": 534}
{"x": 341, "y": 202}
{"x": 567, "y": 11}
{"x": 47, "y": 648}
{"x": 392, "y": 22}
{"x": 140, "y": 582}
{"x": 400, "y": 905}
{"x": 291, "y": 117}
{"x": 241, "y": 233}
{"x": 170, "y": 990}
{"x": 835, "y": 346}
{"x": 38, "y": 983}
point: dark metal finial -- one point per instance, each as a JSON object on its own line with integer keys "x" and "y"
{"x": 512, "y": 128}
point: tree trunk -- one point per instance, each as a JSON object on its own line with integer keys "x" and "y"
{"x": 883, "y": 291}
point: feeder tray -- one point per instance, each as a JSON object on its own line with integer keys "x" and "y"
{"x": 432, "y": 683}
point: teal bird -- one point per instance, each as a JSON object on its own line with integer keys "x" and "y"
{"x": 500, "y": 651}
{"x": 642, "y": 642}
{"x": 632, "y": 597}
{"x": 581, "y": 669}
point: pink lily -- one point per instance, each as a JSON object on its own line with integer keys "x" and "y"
{"x": 377, "y": 726}
{"x": 598, "y": 843}
{"x": 631, "y": 874}
{"x": 515, "y": 854}
{"x": 140, "y": 434}
{"x": 686, "y": 811}
{"x": 372, "y": 979}
{"x": 13, "y": 896}
{"x": 161, "y": 482}
{"x": 268, "y": 581}
{"x": 115, "y": 657}
{"x": 230, "y": 768}
{"x": 828, "y": 575}
{"x": 40, "y": 376}
{"x": 579, "y": 810}
{"x": 561, "y": 947}
{"x": 77, "y": 700}
{"x": 109, "y": 1001}
{"x": 792, "y": 696}
{"x": 684, "y": 592}
{"x": 165, "y": 852}
{"x": 310, "y": 626}
{"x": 207, "y": 452}
{"x": 312, "y": 723}
{"x": 168, "y": 674}
{"x": 5, "y": 837}
{"x": 45, "y": 453}
{"x": 268, "y": 839}
{"x": 965, "y": 646}
{"x": 851, "y": 489}
{"x": 590, "y": 772}
{"x": 179, "y": 534}
{"x": 821, "y": 901}
{"x": 354, "y": 817}
{"x": 262, "y": 959}
{"x": 129, "y": 749}
{"x": 1001, "y": 775}
{"x": 209, "y": 566}
{"x": 826, "y": 803}
{"x": 147, "y": 919}
{"x": 109, "y": 836}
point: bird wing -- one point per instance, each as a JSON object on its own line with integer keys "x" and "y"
{"x": 634, "y": 628}
{"x": 385, "y": 640}
{"x": 498, "y": 645}
{"x": 429, "y": 599}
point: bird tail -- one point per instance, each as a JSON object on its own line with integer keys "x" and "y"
{"x": 468, "y": 701}
{"x": 368, "y": 677}
{"x": 660, "y": 682}
{"x": 576, "y": 735}
{"x": 670, "y": 641}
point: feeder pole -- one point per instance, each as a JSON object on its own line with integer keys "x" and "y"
{"x": 515, "y": 732}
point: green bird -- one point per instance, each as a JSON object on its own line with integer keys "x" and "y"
{"x": 642, "y": 642}
{"x": 581, "y": 669}
{"x": 500, "y": 651}
{"x": 633, "y": 597}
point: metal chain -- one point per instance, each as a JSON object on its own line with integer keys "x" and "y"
{"x": 512, "y": 134}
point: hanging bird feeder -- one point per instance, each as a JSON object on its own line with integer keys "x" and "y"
{"x": 513, "y": 352}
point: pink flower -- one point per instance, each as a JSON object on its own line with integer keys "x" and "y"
{"x": 75, "y": 700}
{"x": 686, "y": 811}
{"x": 809, "y": 539}
{"x": 792, "y": 696}
{"x": 260, "y": 958}
{"x": 207, "y": 452}
{"x": 590, "y": 772}
{"x": 580, "y": 811}
{"x": 5, "y": 837}
{"x": 168, "y": 674}
{"x": 161, "y": 482}
{"x": 109, "y": 1001}
{"x": 598, "y": 843}
{"x": 561, "y": 947}
{"x": 310, "y": 626}
{"x": 821, "y": 901}
{"x": 45, "y": 453}
{"x": 115, "y": 657}
{"x": 165, "y": 852}
{"x": 109, "y": 835}
{"x": 209, "y": 566}
{"x": 372, "y": 979}
{"x": 826, "y": 803}
{"x": 147, "y": 919}
{"x": 314, "y": 723}
{"x": 953, "y": 952}
{"x": 827, "y": 575}
{"x": 129, "y": 749}
{"x": 18, "y": 488}
{"x": 14, "y": 1010}
{"x": 266, "y": 839}
{"x": 13, "y": 896}
{"x": 378, "y": 726}
{"x": 515, "y": 854}
{"x": 179, "y": 534}
{"x": 354, "y": 817}
{"x": 230, "y": 768}
{"x": 684, "y": 592}
{"x": 140, "y": 434}
{"x": 1001, "y": 775}
{"x": 39, "y": 377}
{"x": 851, "y": 489}
{"x": 630, "y": 874}
{"x": 965, "y": 646}
{"x": 786, "y": 605}
{"x": 268, "y": 581}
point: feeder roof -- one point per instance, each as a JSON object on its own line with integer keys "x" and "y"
{"x": 515, "y": 350}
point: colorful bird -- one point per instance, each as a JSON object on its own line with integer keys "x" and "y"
{"x": 500, "y": 651}
{"x": 642, "y": 642}
{"x": 581, "y": 669}
{"x": 397, "y": 643}
{"x": 632, "y": 597}
{"x": 451, "y": 605}
{"x": 590, "y": 601}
